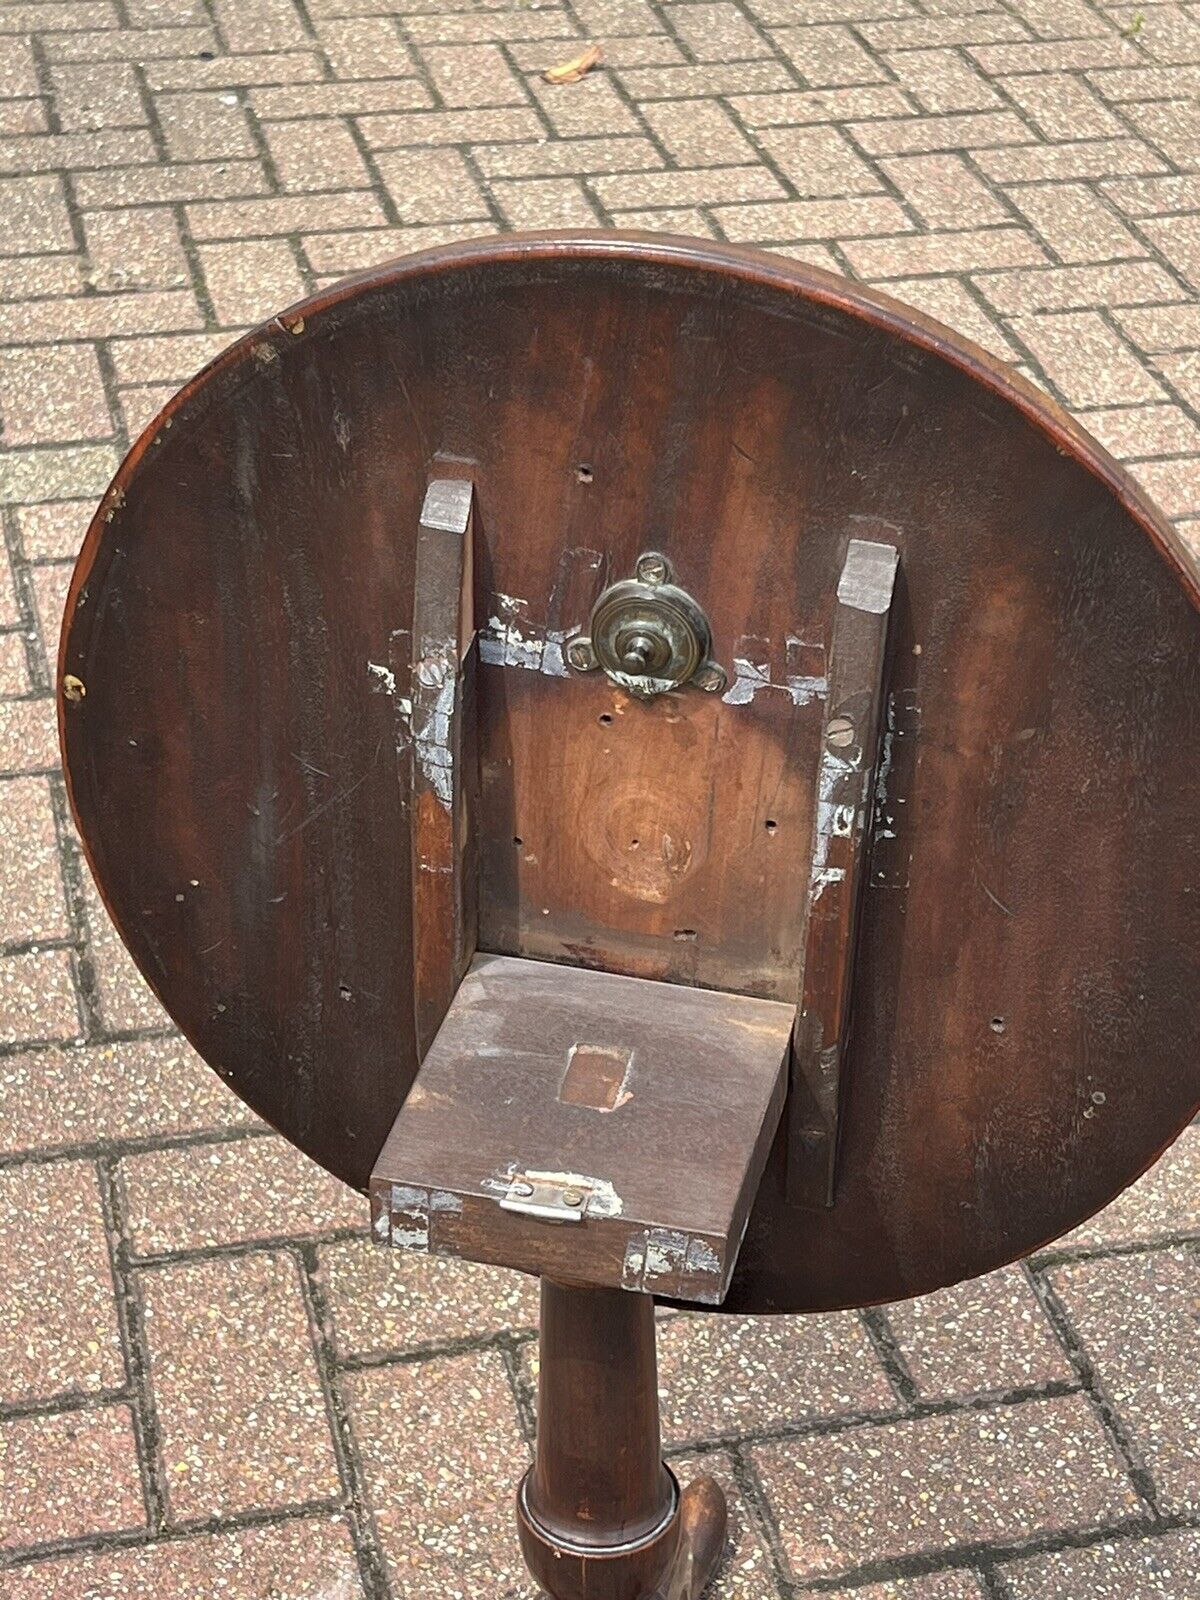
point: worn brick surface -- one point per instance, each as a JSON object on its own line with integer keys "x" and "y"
{"x": 235, "y": 1384}
{"x": 67, "y": 1475}
{"x": 972, "y": 1477}
{"x": 58, "y": 1327}
{"x": 199, "y": 1196}
{"x": 1027, "y": 171}
{"x": 312, "y": 1559}
{"x": 978, "y": 1337}
{"x": 445, "y": 1526}
{"x": 1153, "y": 1377}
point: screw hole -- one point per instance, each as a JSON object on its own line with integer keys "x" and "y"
{"x": 584, "y": 473}
{"x": 345, "y": 991}
{"x": 997, "y": 1024}
{"x": 633, "y": 843}
{"x": 770, "y": 824}
{"x": 518, "y": 842}
{"x": 605, "y": 718}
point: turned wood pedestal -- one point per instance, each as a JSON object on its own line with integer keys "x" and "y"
{"x": 600, "y": 1516}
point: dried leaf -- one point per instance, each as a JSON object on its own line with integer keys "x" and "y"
{"x": 578, "y": 67}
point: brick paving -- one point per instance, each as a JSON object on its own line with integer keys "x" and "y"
{"x": 201, "y": 1404}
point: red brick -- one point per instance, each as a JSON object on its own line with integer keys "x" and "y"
{"x": 545, "y": 203}
{"x": 1074, "y": 222}
{"x": 242, "y": 1418}
{"x": 1064, "y": 288}
{"x": 712, "y": 186}
{"x": 239, "y": 219}
{"x": 204, "y": 180}
{"x": 251, "y": 281}
{"x": 365, "y": 47}
{"x": 35, "y": 215}
{"x": 820, "y": 105}
{"x": 58, "y": 1325}
{"x": 698, "y": 133}
{"x": 92, "y": 96}
{"x": 943, "y": 252}
{"x": 234, "y": 71}
{"x": 815, "y": 219}
{"x": 382, "y": 1300}
{"x": 68, "y": 1475}
{"x": 942, "y": 80}
{"x": 1085, "y": 359}
{"x": 1083, "y": 158}
{"x": 131, "y": 1090}
{"x": 54, "y": 394}
{"x": 1063, "y": 107}
{"x": 1178, "y": 238}
{"x": 248, "y": 24}
{"x": 988, "y": 1335}
{"x": 424, "y": 128}
{"x": 589, "y": 107}
{"x": 28, "y": 736}
{"x": 134, "y": 249}
{"x": 1163, "y": 1567}
{"x": 205, "y": 1195}
{"x": 876, "y": 1493}
{"x": 309, "y": 1559}
{"x": 722, "y": 1375}
{"x": 1137, "y": 1319}
{"x": 200, "y": 125}
{"x": 829, "y": 56}
{"x": 316, "y": 154}
{"x": 445, "y": 1523}
{"x": 37, "y": 997}
{"x": 14, "y": 666}
{"x": 717, "y": 31}
{"x": 819, "y": 161}
{"x": 944, "y": 192}
{"x": 32, "y": 903}
{"x": 949, "y": 302}
{"x": 974, "y": 130}
{"x": 472, "y": 75}
{"x": 340, "y": 99}
{"x": 125, "y": 998}
{"x": 1137, "y": 431}
{"x": 432, "y": 186}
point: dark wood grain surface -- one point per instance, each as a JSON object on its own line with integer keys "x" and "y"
{"x": 1025, "y": 1029}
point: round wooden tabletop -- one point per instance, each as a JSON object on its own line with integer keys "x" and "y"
{"x": 1025, "y": 1019}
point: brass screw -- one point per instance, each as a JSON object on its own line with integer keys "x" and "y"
{"x": 840, "y": 732}
{"x": 710, "y": 677}
{"x": 572, "y": 1197}
{"x": 73, "y": 688}
{"x": 580, "y": 654}
{"x": 652, "y": 568}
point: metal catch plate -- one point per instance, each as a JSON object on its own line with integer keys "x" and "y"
{"x": 551, "y": 1202}
{"x": 648, "y": 634}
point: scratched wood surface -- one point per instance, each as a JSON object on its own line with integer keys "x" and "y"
{"x": 1024, "y": 1021}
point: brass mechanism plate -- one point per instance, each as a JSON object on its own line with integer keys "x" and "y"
{"x": 648, "y": 635}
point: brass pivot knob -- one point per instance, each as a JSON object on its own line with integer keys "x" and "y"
{"x": 648, "y": 634}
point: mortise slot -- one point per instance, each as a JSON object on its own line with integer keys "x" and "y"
{"x": 597, "y": 1077}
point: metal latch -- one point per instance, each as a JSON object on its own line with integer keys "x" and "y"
{"x": 648, "y": 635}
{"x": 549, "y": 1200}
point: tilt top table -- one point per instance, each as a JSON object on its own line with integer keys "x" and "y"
{"x": 673, "y": 773}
